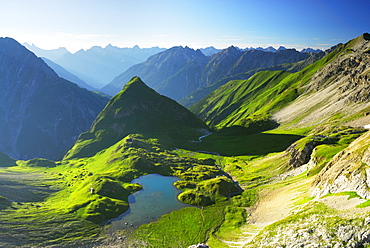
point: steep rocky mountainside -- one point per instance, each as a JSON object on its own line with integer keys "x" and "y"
{"x": 337, "y": 89}
{"x": 348, "y": 171}
{"x": 231, "y": 61}
{"x": 201, "y": 93}
{"x": 98, "y": 66}
{"x": 331, "y": 90}
{"x": 5, "y": 160}
{"x": 178, "y": 72}
{"x": 138, "y": 109}
{"x": 41, "y": 114}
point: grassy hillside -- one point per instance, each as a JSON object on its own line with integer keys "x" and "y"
{"x": 241, "y": 102}
{"x": 138, "y": 109}
{"x": 201, "y": 93}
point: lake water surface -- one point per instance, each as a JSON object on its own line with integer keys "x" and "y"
{"x": 158, "y": 197}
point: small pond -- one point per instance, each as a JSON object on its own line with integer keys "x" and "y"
{"x": 158, "y": 197}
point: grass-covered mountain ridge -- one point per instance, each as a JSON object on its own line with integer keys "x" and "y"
{"x": 138, "y": 109}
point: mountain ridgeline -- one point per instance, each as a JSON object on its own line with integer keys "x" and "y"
{"x": 98, "y": 66}
{"x": 138, "y": 109}
{"x": 41, "y": 114}
{"x": 179, "y": 71}
{"x": 308, "y": 97}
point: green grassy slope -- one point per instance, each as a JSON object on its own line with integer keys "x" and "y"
{"x": 241, "y": 102}
{"x": 138, "y": 109}
{"x": 199, "y": 94}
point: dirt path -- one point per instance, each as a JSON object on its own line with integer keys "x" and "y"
{"x": 274, "y": 204}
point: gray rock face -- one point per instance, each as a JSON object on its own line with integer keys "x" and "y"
{"x": 347, "y": 171}
{"x": 316, "y": 232}
{"x": 41, "y": 115}
{"x": 300, "y": 157}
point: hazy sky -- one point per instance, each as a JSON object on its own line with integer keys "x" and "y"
{"x": 77, "y": 24}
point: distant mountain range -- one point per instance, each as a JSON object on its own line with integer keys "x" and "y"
{"x": 41, "y": 114}
{"x": 97, "y": 66}
{"x": 52, "y": 54}
{"x": 63, "y": 73}
{"x": 180, "y": 71}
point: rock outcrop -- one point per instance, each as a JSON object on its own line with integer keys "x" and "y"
{"x": 199, "y": 246}
{"x": 299, "y": 157}
{"x": 317, "y": 231}
{"x": 349, "y": 170}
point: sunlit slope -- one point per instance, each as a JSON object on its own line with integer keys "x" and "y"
{"x": 138, "y": 109}
{"x": 257, "y": 99}
{"x": 337, "y": 93}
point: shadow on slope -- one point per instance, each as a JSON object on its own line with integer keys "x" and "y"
{"x": 236, "y": 141}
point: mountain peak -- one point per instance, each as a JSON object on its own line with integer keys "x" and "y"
{"x": 135, "y": 82}
{"x": 138, "y": 109}
{"x": 29, "y": 85}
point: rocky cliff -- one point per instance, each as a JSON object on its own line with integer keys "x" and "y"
{"x": 41, "y": 114}
{"x": 339, "y": 88}
{"x": 347, "y": 171}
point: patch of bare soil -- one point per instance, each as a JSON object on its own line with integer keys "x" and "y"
{"x": 342, "y": 203}
{"x": 275, "y": 203}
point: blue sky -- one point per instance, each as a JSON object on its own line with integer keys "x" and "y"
{"x": 77, "y": 24}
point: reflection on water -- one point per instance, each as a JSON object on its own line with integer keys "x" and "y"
{"x": 158, "y": 197}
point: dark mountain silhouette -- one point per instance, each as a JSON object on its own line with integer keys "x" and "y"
{"x": 41, "y": 114}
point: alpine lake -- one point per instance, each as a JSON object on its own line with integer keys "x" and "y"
{"x": 157, "y": 197}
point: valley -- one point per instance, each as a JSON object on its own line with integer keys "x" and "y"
{"x": 277, "y": 159}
